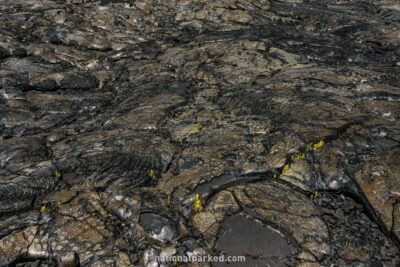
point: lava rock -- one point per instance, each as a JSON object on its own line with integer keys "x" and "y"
{"x": 19, "y": 52}
{"x": 80, "y": 81}
{"x": 55, "y": 40}
{"x": 70, "y": 259}
{"x": 106, "y": 2}
{"x": 47, "y": 85}
{"x": 239, "y": 236}
{"x": 159, "y": 227}
{"x": 3, "y": 53}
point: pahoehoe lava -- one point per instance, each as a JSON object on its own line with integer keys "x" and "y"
{"x": 133, "y": 132}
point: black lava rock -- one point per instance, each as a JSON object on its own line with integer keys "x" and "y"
{"x": 3, "y": 53}
{"x": 19, "y": 52}
{"x": 79, "y": 82}
{"x": 105, "y": 2}
{"x": 47, "y": 85}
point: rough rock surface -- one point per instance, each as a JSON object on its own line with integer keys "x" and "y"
{"x": 283, "y": 116}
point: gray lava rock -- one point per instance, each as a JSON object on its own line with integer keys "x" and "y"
{"x": 159, "y": 227}
{"x": 239, "y": 236}
{"x": 135, "y": 129}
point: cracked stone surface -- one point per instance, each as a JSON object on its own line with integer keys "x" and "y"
{"x": 134, "y": 130}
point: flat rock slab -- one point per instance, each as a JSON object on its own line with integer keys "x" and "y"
{"x": 241, "y": 237}
{"x": 136, "y": 129}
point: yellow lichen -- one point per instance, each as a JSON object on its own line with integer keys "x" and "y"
{"x": 233, "y": 115}
{"x": 197, "y": 129}
{"x": 266, "y": 8}
{"x": 319, "y": 144}
{"x": 58, "y": 175}
{"x": 309, "y": 147}
{"x": 197, "y": 204}
{"x": 314, "y": 196}
{"x": 301, "y": 156}
{"x": 152, "y": 175}
{"x": 291, "y": 12}
{"x": 42, "y": 208}
{"x": 285, "y": 168}
{"x": 169, "y": 199}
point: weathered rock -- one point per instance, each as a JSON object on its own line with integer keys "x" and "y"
{"x": 78, "y": 82}
{"x": 47, "y": 85}
{"x": 160, "y": 228}
{"x": 238, "y": 236}
{"x": 3, "y": 53}
{"x": 136, "y": 129}
{"x": 19, "y": 52}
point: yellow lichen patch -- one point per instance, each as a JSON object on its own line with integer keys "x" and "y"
{"x": 213, "y": 120}
{"x": 309, "y": 147}
{"x": 219, "y": 118}
{"x": 292, "y": 157}
{"x": 285, "y": 168}
{"x": 59, "y": 203}
{"x": 319, "y": 144}
{"x": 233, "y": 115}
{"x": 291, "y": 12}
{"x": 266, "y": 8}
{"x": 152, "y": 175}
{"x": 169, "y": 199}
{"x": 197, "y": 204}
{"x": 197, "y": 129}
{"x": 42, "y": 208}
{"x": 314, "y": 196}
{"x": 58, "y": 174}
{"x": 301, "y": 156}
{"x": 275, "y": 175}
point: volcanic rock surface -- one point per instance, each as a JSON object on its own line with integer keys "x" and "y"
{"x": 282, "y": 117}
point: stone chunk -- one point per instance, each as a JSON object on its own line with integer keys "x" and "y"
{"x": 80, "y": 81}
{"x": 240, "y": 236}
